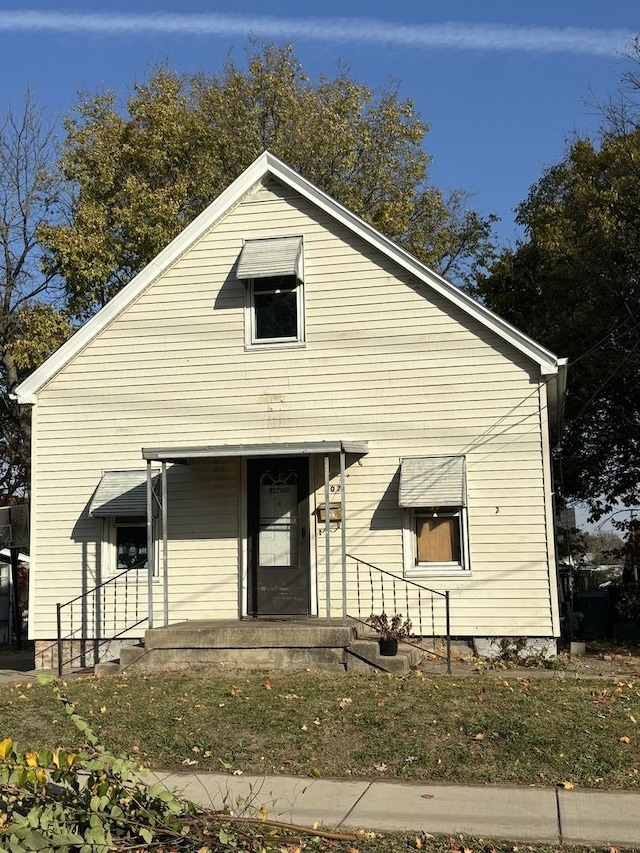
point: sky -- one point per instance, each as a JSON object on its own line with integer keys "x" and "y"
{"x": 503, "y": 84}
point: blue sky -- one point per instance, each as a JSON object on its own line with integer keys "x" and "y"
{"x": 502, "y": 84}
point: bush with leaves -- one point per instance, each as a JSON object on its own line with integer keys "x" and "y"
{"x": 86, "y": 800}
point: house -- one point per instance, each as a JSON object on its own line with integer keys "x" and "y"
{"x": 279, "y": 409}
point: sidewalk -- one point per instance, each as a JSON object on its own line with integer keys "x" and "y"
{"x": 518, "y": 814}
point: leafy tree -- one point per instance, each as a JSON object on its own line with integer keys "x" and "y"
{"x": 31, "y": 326}
{"x": 573, "y": 283}
{"x": 143, "y": 173}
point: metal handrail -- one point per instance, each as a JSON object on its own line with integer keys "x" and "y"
{"x": 420, "y": 589}
{"x": 97, "y": 641}
{"x": 397, "y": 577}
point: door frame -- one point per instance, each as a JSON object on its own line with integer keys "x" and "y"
{"x": 243, "y": 539}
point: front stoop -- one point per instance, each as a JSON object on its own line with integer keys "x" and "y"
{"x": 276, "y": 644}
{"x": 362, "y": 655}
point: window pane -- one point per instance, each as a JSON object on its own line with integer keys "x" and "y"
{"x": 131, "y": 544}
{"x": 276, "y": 315}
{"x": 438, "y": 540}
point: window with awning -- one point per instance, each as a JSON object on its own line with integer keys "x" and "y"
{"x": 433, "y": 496}
{"x": 272, "y": 269}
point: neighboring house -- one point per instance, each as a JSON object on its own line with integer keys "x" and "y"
{"x": 8, "y": 592}
{"x": 298, "y": 397}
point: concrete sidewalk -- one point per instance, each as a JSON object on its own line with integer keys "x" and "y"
{"x": 517, "y": 814}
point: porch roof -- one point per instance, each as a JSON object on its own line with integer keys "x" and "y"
{"x": 307, "y": 448}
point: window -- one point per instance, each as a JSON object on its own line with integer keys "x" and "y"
{"x": 272, "y": 271}
{"x": 433, "y": 497}
{"x": 131, "y": 543}
{"x": 435, "y": 540}
{"x": 125, "y": 544}
{"x": 276, "y": 310}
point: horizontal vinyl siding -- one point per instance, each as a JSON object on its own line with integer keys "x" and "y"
{"x": 384, "y": 360}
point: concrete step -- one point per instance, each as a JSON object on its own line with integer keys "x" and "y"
{"x": 363, "y": 654}
{"x": 130, "y": 654}
{"x": 195, "y": 659}
{"x": 249, "y": 634}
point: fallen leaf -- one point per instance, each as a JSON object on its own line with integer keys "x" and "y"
{"x": 632, "y": 718}
{"x": 317, "y": 721}
{"x": 479, "y": 736}
{"x": 315, "y": 773}
{"x": 267, "y": 683}
{"x": 567, "y": 785}
{"x": 624, "y": 739}
{"x": 304, "y": 728}
{"x": 380, "y": 767}
{"x": 344, "y": 703}
{"x": 234, "y": 691}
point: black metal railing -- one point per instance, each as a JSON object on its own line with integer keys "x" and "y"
{"x": 379, "y": 591}
{"x": 100, "y": 615}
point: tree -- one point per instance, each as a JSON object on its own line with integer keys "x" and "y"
{"x": 144, "y": 173}
{"x": 573, "y": 284}
{"x": 31, "y": 326}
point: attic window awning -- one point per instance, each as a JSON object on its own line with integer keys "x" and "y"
{"x": 271, "y": 257}
{"x": 121, "y": 493}
{"x": 428, "y": 481}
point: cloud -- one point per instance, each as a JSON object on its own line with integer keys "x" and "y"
{"x": 451, "y": 35}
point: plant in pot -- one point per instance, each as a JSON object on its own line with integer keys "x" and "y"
{"x": 391, "y": 630}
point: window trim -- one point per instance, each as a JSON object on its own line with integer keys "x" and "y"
{"x": 412, "y": 568}
{"x": 109, "y": 548}
{"x": 251, "y": 341}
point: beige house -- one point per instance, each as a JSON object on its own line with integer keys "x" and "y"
{"x": 285, "y": 414}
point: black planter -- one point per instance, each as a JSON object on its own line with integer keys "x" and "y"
{"x": 389, "y": 647}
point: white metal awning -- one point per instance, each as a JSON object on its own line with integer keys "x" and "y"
{"x": 308, "y": 448}
{"x": 270, "y": 257}
{"x": 427, "y": 481}
{"x": 121, "y": 493}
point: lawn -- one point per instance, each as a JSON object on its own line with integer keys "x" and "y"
{"x": 507, "y": 730}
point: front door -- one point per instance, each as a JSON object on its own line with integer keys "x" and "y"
{"x": 278, "y": 536}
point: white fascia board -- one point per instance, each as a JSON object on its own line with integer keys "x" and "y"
{"x": 26, "y": 392}
{"x": 266, "y": 163}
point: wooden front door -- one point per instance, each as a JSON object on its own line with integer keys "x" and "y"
{"x": 278, "y": 533}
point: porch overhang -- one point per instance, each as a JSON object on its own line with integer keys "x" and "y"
{"x": 307, "y": 448}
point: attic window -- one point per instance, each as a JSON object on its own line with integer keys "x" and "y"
{"x": 272, "y": 269}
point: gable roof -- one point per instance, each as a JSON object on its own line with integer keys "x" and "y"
{"x": 268, "y": 165}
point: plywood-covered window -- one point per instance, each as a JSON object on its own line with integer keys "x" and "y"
{"x": 433, "y": 497}
{"x": 437, "y": 538}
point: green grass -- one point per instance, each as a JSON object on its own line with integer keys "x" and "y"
{"x": 540, "y": 731}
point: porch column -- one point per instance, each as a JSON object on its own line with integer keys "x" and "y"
{"x": 327, "y": 534}
{"x": 165, "y": 549}
{"x": 343, "y": 529}
{"x": 150, "y": 548}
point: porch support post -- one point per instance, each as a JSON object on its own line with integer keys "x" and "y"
{"x": 327, "y": 534}
{"x": 150, "y": 548}
{"x": 165, "y": 548}
{"x": 343, "y": 528}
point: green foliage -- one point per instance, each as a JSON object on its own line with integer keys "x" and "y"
{"x": 143, "y": 173}
{"x": 31, "y": 194}
{"x": 574, "y": 285}
{"x": 59, "y": 799}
